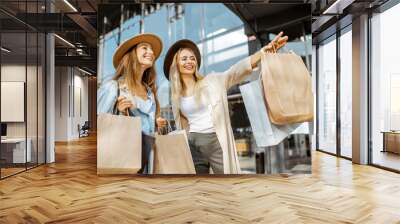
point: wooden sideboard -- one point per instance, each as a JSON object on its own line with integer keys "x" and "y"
{"x": 391, "y": 141}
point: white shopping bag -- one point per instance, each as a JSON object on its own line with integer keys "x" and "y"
{"x": 265, "y": 133}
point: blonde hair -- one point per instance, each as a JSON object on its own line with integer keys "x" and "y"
{"x": 129, "y": 68}
{"x": 177, "y": 84}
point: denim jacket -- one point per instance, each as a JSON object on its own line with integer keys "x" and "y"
{"x": 107, "y": 96}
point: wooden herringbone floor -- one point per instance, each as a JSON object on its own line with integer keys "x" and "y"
{"x": 70, "y": 192}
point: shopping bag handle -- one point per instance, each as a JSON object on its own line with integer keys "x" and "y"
{"x": 283, "y": 49}
{"x": 115, "y": 109}
{"x": 274, "y": 52}
{"x": 274, "y": 48}
{"x": 168, "y": 130}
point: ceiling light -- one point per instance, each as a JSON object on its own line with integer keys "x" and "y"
{"x": 65, "y": 41}
{"x": 5, "y": 50}
{"x": 70, "y": 5}
{"x": 338, "y": 6}
{"x": 84, "y": 71}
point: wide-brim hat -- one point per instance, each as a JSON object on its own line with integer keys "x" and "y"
{"x": 127, "y": 45}
{"x": 169, "y": 57}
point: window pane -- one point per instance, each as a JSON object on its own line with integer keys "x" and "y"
{"x": 13, "y": 82}
{"x": 346, "y": 94}
{"x": 327, "y": 97}
{"x": 385, "y": 88}
{"x": 32, "y": 98}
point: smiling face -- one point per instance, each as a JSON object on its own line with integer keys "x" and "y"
{"x": 145, "y": 55}
{"x": 187, "y": 62}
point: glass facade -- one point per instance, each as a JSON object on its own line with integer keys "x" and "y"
{"x": 22, "y": 107}
{"x": 335, "y": 73}
{"x": 385, "y": 89}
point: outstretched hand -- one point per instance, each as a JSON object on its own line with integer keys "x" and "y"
{"x": 271, "y": 47}
{"x": 278, "y": 42}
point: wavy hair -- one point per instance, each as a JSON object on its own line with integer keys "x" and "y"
{"x": 129, "y": 68}
{"x": 177, "y": 84}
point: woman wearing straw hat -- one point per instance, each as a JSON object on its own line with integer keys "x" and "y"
{"x": 132, "y": 90}
{"x": 200, "y": 104}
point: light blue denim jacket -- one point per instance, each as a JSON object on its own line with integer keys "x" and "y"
{"x": 145, "y": 109}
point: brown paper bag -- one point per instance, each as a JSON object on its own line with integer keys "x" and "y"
{"x": 172, "y": 154}
{"x": 287, "y": 88}
{"x": 119, "y": 144}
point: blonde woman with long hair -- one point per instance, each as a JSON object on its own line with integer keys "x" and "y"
{"x": 200, "y": 104}
{"x": 132, "y": 90}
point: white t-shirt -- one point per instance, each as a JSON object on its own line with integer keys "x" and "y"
{"x": 198, "y": 115}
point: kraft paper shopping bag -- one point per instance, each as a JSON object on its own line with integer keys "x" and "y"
{"x": 172, "y": 154}
{"x": 287, "y": 87}
{"x": 119, "y": 144}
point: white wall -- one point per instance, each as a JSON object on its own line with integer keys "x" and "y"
{"x": 80, "y": 93}
{"x": 61, "y": 103}
{"x": 71, "y": 94}
{"x": 12, "y": 73}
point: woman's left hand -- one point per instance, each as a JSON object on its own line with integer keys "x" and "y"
{"x": 276, "y": 43}
{"x": 161, "y": 122}
{"x": 271, "y": 47}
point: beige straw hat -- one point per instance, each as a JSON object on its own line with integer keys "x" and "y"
{"x": 127, "y": 45}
